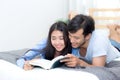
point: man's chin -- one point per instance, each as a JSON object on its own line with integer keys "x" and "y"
{"x": 74, "y": 46}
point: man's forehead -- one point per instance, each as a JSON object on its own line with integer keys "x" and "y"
{"x": 78, "y": 32}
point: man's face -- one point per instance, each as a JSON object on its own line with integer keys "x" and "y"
{"x": 77, "y": 39}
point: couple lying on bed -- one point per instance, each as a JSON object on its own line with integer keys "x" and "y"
{"x": 89, "y": 46}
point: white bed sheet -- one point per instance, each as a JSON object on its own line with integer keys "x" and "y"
{"x": 9, "y": 71}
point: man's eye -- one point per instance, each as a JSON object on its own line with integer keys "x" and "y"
{"x": 76, "y": 37}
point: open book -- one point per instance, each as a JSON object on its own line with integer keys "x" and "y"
{"x": 48, "y": 64}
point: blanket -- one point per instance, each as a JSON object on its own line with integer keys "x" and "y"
{"x": 110, "y": 72}
{"x": 13, "y": 55}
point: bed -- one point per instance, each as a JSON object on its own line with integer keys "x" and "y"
{"x": 10, "y": 71}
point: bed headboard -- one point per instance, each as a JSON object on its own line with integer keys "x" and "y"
{"x": 104, "y": 16}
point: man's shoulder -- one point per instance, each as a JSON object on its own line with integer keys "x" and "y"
{"x": 99, "y": 38}
{"x": 103, "y": 32}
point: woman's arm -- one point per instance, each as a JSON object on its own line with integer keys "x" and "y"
{"x": 32, "y": 53}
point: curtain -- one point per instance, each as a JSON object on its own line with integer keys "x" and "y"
{"x": 82, "y": 7}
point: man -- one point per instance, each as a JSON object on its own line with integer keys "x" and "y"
{"x": 92, "y": 47}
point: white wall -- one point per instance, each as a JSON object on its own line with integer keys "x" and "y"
{"x": 23, "y": 23}
{"x": 80, "y": 6}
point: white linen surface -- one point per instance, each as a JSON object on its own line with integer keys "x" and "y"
{"x": 9, "y": 71}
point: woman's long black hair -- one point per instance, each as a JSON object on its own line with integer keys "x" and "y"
{"x": 49, "y": 50}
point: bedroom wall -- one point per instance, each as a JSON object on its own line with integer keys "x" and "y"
{"x": 23, "y": 23}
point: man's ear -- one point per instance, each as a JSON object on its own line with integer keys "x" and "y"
{"x": 88, "y": 37}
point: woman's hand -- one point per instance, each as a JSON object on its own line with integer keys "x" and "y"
{"x": 27, "y": 66}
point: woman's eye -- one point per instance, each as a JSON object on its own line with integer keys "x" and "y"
{"x": 53, "y": 38}
{"x": 61, "y": 38}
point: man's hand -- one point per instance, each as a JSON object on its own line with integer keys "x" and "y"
{"x": 71, "y": 60}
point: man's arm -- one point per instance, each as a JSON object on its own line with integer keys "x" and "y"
{"x": 99, "y": 61}
{"x": 73, "y": 61}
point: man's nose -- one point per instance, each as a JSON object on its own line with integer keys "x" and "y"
{"x": 72, "y": 39}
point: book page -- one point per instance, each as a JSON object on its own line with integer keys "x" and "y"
{"x": 47, "y": 64}
{"x": 43, "y": 63}
{"x": 56, "y": 62}
{"x": 57, "y": 58}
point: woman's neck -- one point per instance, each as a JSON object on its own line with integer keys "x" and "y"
{"x": 57, "y": 53}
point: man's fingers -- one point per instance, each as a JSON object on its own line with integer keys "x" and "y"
{"x": 70, "y": 64}
{"x": 65, "y": 60}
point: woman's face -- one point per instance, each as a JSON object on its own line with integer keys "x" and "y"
{"x": 57, "y": 40}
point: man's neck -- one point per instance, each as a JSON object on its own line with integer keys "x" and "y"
{"x": 83, "y": 49}
{"x": 85, "y": 45}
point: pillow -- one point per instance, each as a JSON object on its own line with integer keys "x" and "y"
{"x": 12, "y": 56}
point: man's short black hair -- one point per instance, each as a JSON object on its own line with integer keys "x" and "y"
{"x": 81, "y": 22}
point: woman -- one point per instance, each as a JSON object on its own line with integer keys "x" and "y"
{"x": 58, "y": 43}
